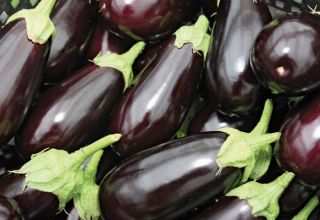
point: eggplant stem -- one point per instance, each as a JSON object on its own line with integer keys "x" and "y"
{"x": 45, "y": 7}
{"x": 263, "y": 124}
{"x": 308, "y": 209}
{"x": 91, "y": 169}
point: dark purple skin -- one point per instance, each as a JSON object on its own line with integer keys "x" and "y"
{"x": 167, "y": 181}
{"x": 74, "y": 23}
{"x": 229, "y": 208}
{"x": 104, "y": 41}
{"x": 9, "y": 209}
{"x": 72, "y": 113}
{"x": 209, "y": 8}
{"x": 298, "y": 149}
{"x": 9, "y": 159}
{"x": 209, "y": 118}
{"x": 145, "y": 19}
{"x": 21, "y": 66}
{"x": 281, "y": 107}
{"x": 34, "y": 204}
{"x": 230, "y": 81}
{"x": 286, "y": 55}
{"x": 152, "y": 111}
{"x": 315, "y": 215}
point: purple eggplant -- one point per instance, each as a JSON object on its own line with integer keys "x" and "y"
{"x": 209, "y": 118}
{"x": 153, "y": 109}
{"x": 74, "y": 22}
{"x": 33, "y": 203}
{"x": 167, "y": 181}
{"x": 104, "y": 41}
{"x": 298, "y": 149}
{"x": 75, "y": 111}
{"x": 23, "y": 53}
{"x": 230, "y": 81}
{"x": 9, "y": 209}
{"x": 145, "y": 19}
{"x": 285, "y": 56}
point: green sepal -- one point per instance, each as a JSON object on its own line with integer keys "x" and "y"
{"x": 59, "y": 172}
{"x": 39, "y": 25}
{"x": 87, "y": 200}
{"x": 263, "y": 198}
{"x": 122, "y": 62}
{"x": 308, "y": 209}
{"x": 251, "y": 151}
{"x": 196, "y": 35}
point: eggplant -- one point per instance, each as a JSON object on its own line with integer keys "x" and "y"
{"x": 230, "y": 81}
{"x": 9, "y": 210}
{"x": 23, "y": 53}
{"x": 104, "y": 41}
{"x": 208, "y": 118}
{"x": 298, "y": 149}
{"x": 285, "y": 55}
{"x": 147, "y": 20}
{"x": 251, "y": 201}
{"x": 168, "y": 180}
{"x": 74, "y": 22}
{"x": 75, "y": 111}
{"x": 153, "y": 109}
{"x": 9, "y": 158}
{"x": 33, "y": 203}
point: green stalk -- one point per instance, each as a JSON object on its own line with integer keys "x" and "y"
{"x": 308, "y": 209}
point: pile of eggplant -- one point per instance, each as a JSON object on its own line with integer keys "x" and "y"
{"x": 159, "y": 110}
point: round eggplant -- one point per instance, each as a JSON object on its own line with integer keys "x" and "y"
{"x": 285, "y": 56}
{"x": 230, "y": 81}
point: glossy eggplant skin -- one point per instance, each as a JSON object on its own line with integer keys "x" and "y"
{"x": 230, "y": 81}
{"x": 9, "y": 209}
{"x": 74, "y": 23}
{"x": 9, "y": 159}
{"x": 72, "y": 113}
{"x": 152, "y": 111}
{"x": 298, "y": 149}
{"x": 168, "y": 180}
{"x": 285, "y": 56}
{"x": 145, "y": 19}
{"x": 228, "y": 207}
{"x": 34, "y": 204}
{"x": 104, "y": 41}
{"x": 21, "y": 66}
{"x": 208, "y": 118}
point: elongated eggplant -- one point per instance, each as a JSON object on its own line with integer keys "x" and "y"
{"x": 9, "y": 209}
{"x": 145, "y": 19}
{"x": 231, "y": 83}
{"x": 75, "y": 111}
{"x": 23, "y": 53}
{"x": 285, "y": 56}
{"x": 9, "y": 158}
{"x": 104, "y": 41}
{"x": 298, "y": 149}
{"x": 153, "y": 109}
{"x": 74, "y": 21}
{"x": 251, "y": 201}
{"x": 209, "y": 118}
{"x": 33, "y": 203}
{"x": 167, "y": 181}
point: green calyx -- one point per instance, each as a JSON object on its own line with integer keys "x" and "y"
{"x": 308, "y": 209}
{"x": 251, "y": 151}
{"x": 263, "y": 198}
{"x": 87, "y": 201}
{"x": 59, "y": 172}
{"x": 196, "y": 35}
{"x": 39, "y": 25}
{"x": 122, "y": 62}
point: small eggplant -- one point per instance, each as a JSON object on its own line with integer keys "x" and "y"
{"x": 9, "y": 158}
{"x": 75, "y": 111}
{"x": 153, "y": 109}
{"x": 104, "y": 41}
{"x": 9, "y": 209}
{"x": 24, "y": 46}
{"x": 298, "y": 149}
{"x": 230, "y": 81}
{"x": 251, "y": 201}
{"x": 209, "y": 118}
{"x": 74, "y": 21}
{"x": 285, "y": 55}
{"x": 145, "y": 19}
